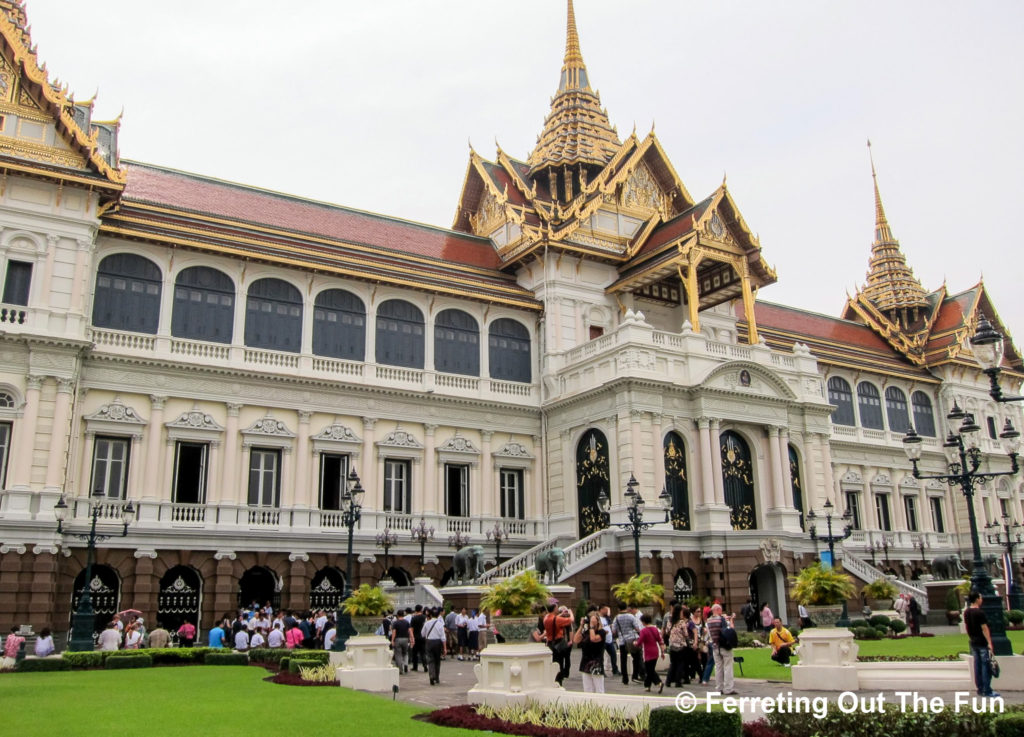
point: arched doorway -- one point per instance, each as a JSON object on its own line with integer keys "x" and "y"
{"x": 738, "y": 478}
{"x": 259, "y": 585}
{"x": 684, "y": 584}
{"x": 675, "y": 480}
{"x": 400, "y": 576}
{"x": 591, "y": 480}
{"x": 448, "y": 577}
{"x": 794, "y": 475}
{"x": 105, "y": 593}
{"x": 180, "y": 598}
{"x": 327, "y": 589}
{"x": 768, "y": 586}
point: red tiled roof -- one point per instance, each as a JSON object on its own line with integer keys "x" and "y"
{"x": 674, "y": 228}
{"x": 504, "y": 183}
{"x": 954, "y": 311}
{"x": 197, "y": 194}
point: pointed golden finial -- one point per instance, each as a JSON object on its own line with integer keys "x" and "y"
{"x": 572, "y": 39}
{"x": 882, "y": 231}
{"x": 724, "y": 177}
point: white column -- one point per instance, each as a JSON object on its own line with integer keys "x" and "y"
{"x": 85, "y": 248}
{"x": 707, "y": 470}
{"x": 288, "y": 491}
{"x": 716, "y": 462}
{"x": 303, "y": 488}
{"x": 778, "y": 500}
{"x": 367, "y": 473}
{"x": 58, "y": 457}
{"x": 539, "y": 480}
{"x": 213, "y": 469}
{"x": 489, "y": 507}
{"x": 42, "y": 296}
{"x": 784, "y": 470}
{"x": 243, "y": 497}
{"x": 636, "y": 467}
{"x": 85, "y": 472}
{"x": 432, "y": 494}
{"x": 135, "y": 479}
{"x": 228, "y": 491}
{"x": 825, "y": 456}
{"x": 154, "y": 489}
{"x": 26, "y": 433}
{"x": 658, "y": 449}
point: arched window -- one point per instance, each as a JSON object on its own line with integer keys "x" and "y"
{"x": 339, "y": 325}
{"x": 870, "y": 404}
{"x": 400, "y": 334}
{"x": 676, "y": 481}
{"x": 924, "y": 420}
{"x": 509, "y": 351}
{"x": 456, "y": 343}
{"x": 127, "y": 294}
{"x": 738, "y": 477}
{"x": 794, "y": 476}
{"x": 591, "y": 480}
{"x": 204, "y": 305}
{"x": 840, "y": 395}
{"x": 896, "y": 409}
{"x": 273, "y": 316}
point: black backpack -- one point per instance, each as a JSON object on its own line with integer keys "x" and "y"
{"x": 727, "y": 637}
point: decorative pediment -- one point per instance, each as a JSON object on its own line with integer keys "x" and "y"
{"x": 269, "y": 427}
{"x": 748, "y": 378}
{"x": 195, "y": 420}
{"x": 400, "y": 439}
{"x": 458, "y": 444}
{"x": 338, "y": 433}
{"x": 852, "y": 478}
{"x": 881, "y": 479}
{"x": 910, "y": 485}
{"x": 116, "y": 412}
{"x": 512, "y": 450}
{"x": 642, "y": 192}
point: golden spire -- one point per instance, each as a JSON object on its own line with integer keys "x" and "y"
{"x": 891, "y": 283}
{"x": 577, "y": 130}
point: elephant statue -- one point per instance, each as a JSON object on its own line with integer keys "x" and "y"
{"x": 550, "y": 564}
{"x": 469, "y": 563}
{"x": 992, "y": 566}
{"x": 947, "y": 568}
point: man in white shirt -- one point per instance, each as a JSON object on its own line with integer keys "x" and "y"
{"x": 275, "y": 638}
{"x": 462, "y": 632}
{"x": 110, "y": 638}
{"x": 473, "y": 636}
{"x": 329, "y": 635}
{"x": 257, "y": 639}
{"x": 321, "y": 624}
{"x": 242, "y": 640}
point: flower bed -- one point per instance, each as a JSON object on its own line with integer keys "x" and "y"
{"x": 465, "y": 716}
{"x": 294, "y": 679}
{"x": 908, "y": 658}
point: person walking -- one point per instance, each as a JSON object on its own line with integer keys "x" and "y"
{"x": 653, "y": 647}
{"x": 705, "y": 662}
{"x": 724, "y": 677}
{"x": 767, "y": 619}
{"x": 401, "y": 639}
{"x": 435, "y": 641}
{"x": 625, "y": 631}
{"x": 609, "y": 639}
{"x": 418, "y": 651}
{"x": 557, "y": 627}
{"x": 781, "y": 642}
{"x": 749, "y": 614}
{"x": 216, "y": 636}
{"x": 980, "y": 638}
{"x": 680, "y": 647}
{"x": 590, "y": 637}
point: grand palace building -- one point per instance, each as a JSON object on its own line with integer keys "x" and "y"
{"x": 223, "y": 357}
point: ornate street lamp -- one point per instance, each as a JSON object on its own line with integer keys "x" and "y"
{"x": 873, "y": 549}
{"x": 1008, "y": 536}
{"x": 963, "y": 459}
{"x": 351, "y": 512}
{"x": 84, "y": 619}
{"x": 387, "y": 540}
{"x": 921, "y": 543}
{"x": 831, "y": 539}
{"x": 421, "y": 534}
{"x": 988, "y": 352}
{"x": 635, "y": 513}
{"x": 458, "y": 540}
{"x": 497, "y": 533}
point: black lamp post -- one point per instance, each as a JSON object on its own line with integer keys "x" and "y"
{"x": 387, "y": 540}
{"x": 873, "y": 549}
{"x": 421, "y": 534}
{"x": 458, "y": 540}
{"x": 351, "y": 512}
{"x": 831, "y": 540}
{"x": 988, "y": 352}
{"x": 1008, "y": 536}
{"x": 964, "y": 459}
{"x": 921, "y": 543}
{"x": 635, "y": 510}
{"x": 84, "y": 619}
{"x": 497, "y": 533}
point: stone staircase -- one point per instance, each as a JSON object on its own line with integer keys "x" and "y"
{"x": 521, "y": 562}
{"x": 867, "y": 573}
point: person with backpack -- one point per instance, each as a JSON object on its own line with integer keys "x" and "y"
{"x": 625, "y": 630}
{"x": 723, "y": 640}
{"x": 652, "y": 647}
{"x": 680, "y": 647}
{"x": 749, "y": 614}
{"x": 781, "y": 642}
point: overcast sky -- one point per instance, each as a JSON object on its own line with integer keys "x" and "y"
{"x": 371, "y": 105}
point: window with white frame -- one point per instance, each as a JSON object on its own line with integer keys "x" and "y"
{"x": 853, "y": 506}
{"x": 511, "y": 481}
{"x": 333, "y": 479}
{"x": 910, "y": 506}
{"x": 190, "y": 467}
{"x": 938, "y": 523}
{"x": 456, "y": 490}
{"x": 110, "y": 466}
{"x": 264, "y": 477}
{"x": 882, "y": 512}
{"x": 396, "y": 485}
{"x": 17, "y": 282}
{"x": 5, "y": 451}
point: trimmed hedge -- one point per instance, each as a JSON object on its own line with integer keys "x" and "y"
{"x": 295, "y": 663}
{"x": 1015, "y": 616}
{"x": 670, "y": 722}
{"x": 879, "y": 620}
{"x": 897, "y": 625}
{"x": 855, "y": 623}
{"x": 892, "y": 721}
{"x": 39, "y": 665}
{"x": 269, "y": 655}
{"x": 228, "y": 658}
{"x": 161, "y": 656}
{"x": 1009, "y": 725}
{"x": 122, "y": 661}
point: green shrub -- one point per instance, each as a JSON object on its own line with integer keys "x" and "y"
{"x": 746, "y": 639}
{"x": 87, "y": 659}
{"x": 670, "y": 722}
{"x": 227, "y": 658}
{"x": 816, "y": 585}
{"x": 1015, "y": 616}
{"x": 516, "y": 596}
{"x": 952, "y": 601}
{"x": 867, "y": 633}
{"x": 891, "y": 721}
{"x": 640, "y": 591}
{"x": 134, "y": 660}
{"x": 881, "y": 588}
{"x": 855, "y": 623}
{"x": 297, "y": 662}
{"x": 879, "y": 620}
{"x": 270, "y": 655}
{"x": 897, "y": 626}
{"x": 39, "y": 665}
{"x": 1009, "y": 725}
{"x": 282, "y": 664}
{"x": 577, "y": 718}
{"x": 161, "y": 656}
{"x": 882, "y": 631}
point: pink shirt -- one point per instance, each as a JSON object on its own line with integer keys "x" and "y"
{"x": 12, "y": 644}
{"x": 650, "y": 640}
{"x": 293, "y": 637}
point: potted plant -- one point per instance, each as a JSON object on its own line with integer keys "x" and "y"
{"x": 640, "y": 591}
{"x": 879, "y": 594}
{"x": 367, "y": 606}
{"x": 511, "y": 604}
{"x": 823, "y": 591}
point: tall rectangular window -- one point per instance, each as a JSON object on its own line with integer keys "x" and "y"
{"x": 110, "y": 466}
{"x": 396, "y": 486}
{"x": 911, "y": 508}
{"x": 882, "y": 512}
{"x": 512, "y": 493}
{"x": 190, "y": 462}
{"x": 853, "y": 504}
{"x": 5, "y": 451}
{"x": 991, "y": 422}
{"x": 333, "y": 478}
{"x": 17, "y": 282}
{"x": 456, "y": 491}
{"x": 938, "y": 523}
{"x": 264, "y": 477}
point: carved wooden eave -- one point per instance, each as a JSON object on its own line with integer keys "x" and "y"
{"x": 53, "y": 100}
{"x": 909, "y": 346}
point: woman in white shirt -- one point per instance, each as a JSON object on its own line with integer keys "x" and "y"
{"x": 132, "y": 638}
{"x": 44, "y": 643}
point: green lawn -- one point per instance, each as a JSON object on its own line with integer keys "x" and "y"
{"x": 195, "y": 700}
{"x": 758, "y": 664}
